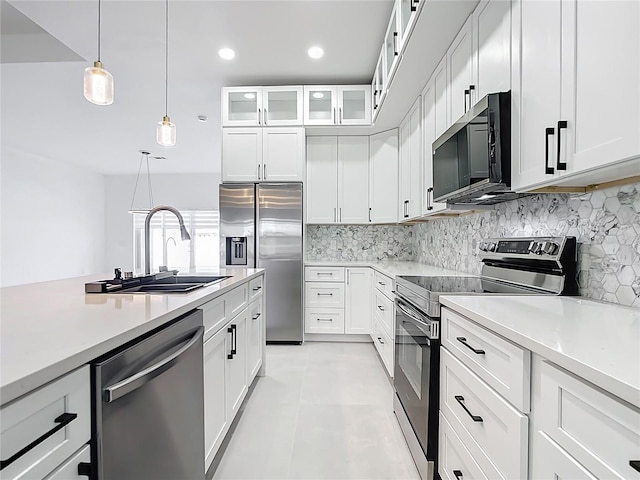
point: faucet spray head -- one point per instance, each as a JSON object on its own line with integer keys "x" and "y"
{"x": 183, "y": 232}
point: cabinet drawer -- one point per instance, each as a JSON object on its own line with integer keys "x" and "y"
{"x": 324, "y": 294}
{"x": 69, "y": 469}
{"x": 499, "y": 431}
{"x": 453, "y": 457}
{"x": 213, "y": 315}
{"x": 551, "y": 461}
{"x": 324, "y": 320}
{"x": 324, "y": 274}
{"x": 384, "y": 345}
{"x": 384, "y": 284}
{"x": 37, "y": 413}
{"x": 255, "y": 287}
{"x": 236, "y": 300}
{"x": 384, "y": 309}
{"x": 502, "y": 364}
{"x": 602, "y": 433}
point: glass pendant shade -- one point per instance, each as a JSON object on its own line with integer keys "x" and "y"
{"x": 98, "y": 85}
{"x": 166, "y": 132}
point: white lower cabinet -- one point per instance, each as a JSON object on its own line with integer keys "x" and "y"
{"x": 456, "y": 463}
{"x": 338, "y": 300}
{"x": 590, "y": 432}
{"x": 358, "y": 300}
{"x": 216, "y": 421}
{"x": 573, "y": 430}
{"x": 62, "y": 407}
{"x": 383, "y": 320}
{"x": 255, "y": 338}
{"x": 232, "y": 356}
{"x": 69, "y": 469}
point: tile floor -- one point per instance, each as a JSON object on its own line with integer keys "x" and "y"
{"x": 323, "y": 411}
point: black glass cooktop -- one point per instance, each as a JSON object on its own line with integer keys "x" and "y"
{"x": 465, "y": 285}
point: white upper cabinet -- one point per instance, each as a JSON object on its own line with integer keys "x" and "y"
{"x": 491, "y": 48}
{"x": 337, "y": 180}
{"x": 410, "y": 186}
{"x": 260, "y": 106}
{"x": 430, "y": 117}
{"x": 392, "y": 46}
{"x": 575, "y": 92}
{"x": 441, "y": 88}
{"x": 337, "y": 105}
{"x": 383, "y": 177}
{"x": 407, "y": 15}
{"x": 322, "y": 179}
{"x": 263, "y": 154}
{"x": 460, "y": 72}
{"x": 377, "y": 87}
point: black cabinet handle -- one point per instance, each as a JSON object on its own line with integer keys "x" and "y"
{"x": 381, "y": 308}
{"x": 547, "y": 169}
{"x": 466, "y": 92}
{"x": 62, "y": 421}
{"x": 84, "y": 469}
{"x": 369, "y": 214}
{"x": 460, "y": 400}
{"x": 255, "y": 289}
{"x": 325, "y": 294}
{"x": 457, "y": 474}
{"x": 395, "y": 44}
{"x": 380, "y": 340}
{"x": 257, "y": 315}
{"x": 463, "y": 341}
{"x": 635, "y": 464}
{"x": 562, "y": 124}
{"x": 231, "y": 352}
{"x": 235, "y": 340}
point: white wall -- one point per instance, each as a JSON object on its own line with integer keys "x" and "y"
{"x": 185, "y": 191}
{"x": 52, "y": 218}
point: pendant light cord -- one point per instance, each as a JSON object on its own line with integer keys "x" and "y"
{"x": 149, "y": 182}
{"x": 166, "y": 59}
{"x": 99, "y": 5}
{"x": 144, "y": 156}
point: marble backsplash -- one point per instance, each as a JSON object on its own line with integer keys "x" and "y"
{"x": 606, "y": 224}
{"x": 359, "y": 242}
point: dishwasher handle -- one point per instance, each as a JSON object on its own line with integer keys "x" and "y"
{"x": 136, "y": 380}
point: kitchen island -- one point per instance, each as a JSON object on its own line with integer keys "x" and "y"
{"x": 50, "y": 328}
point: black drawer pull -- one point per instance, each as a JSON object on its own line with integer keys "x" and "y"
{"x": 457, "y": 474}
{"x": 635, "y": 464}
{"x": 460, "y": 400}
{"x": 381, "y": 308}
{"x": 84, "y": 469}
{"x": 463, "y": 341}
{"x": 325, "y": 294}
{"x": 255, "y": 289}
{"x": 380, "y": 340}
{"x": 62, "y": 421}
{"x": 256, "y": 316}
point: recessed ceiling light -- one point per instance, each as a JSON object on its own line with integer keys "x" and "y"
{"x": 317, "y": 95}
{"x": 250, "y": 96}
{"x": 315, "y": 52}
{"x": 226, "y": 53}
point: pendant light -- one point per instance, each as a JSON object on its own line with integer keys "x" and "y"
{"x": 166, "y": 131}
{"x": 98, "y": 83}
{"x": 145, "y": 156}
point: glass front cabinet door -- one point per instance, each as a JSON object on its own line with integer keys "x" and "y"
{"x": 321, "y": 104}
{"x": 241, "y": 106}
{"x": 282, "y": 106}
{"x": 354, "y": 105}
{"x": 261, "y": 106}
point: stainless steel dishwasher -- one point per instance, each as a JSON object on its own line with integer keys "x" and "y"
{"x": 149, "y": 406}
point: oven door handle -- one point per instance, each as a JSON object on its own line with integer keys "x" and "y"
{"x": 409, "y": 314}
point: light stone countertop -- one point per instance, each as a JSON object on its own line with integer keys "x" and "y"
{"x": 392, "y": 268}
{"x": 50, "y": 328}
{"x": 599, "y": 342}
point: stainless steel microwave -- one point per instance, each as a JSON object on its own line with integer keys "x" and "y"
{"x": 472, "y": 159}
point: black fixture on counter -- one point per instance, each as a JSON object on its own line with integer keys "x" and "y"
{"x": 162, "y": 282}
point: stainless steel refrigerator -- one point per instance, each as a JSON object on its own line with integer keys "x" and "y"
{"x": 261, "y": 226}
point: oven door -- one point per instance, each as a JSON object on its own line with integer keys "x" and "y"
{"x": 416, "y": 373}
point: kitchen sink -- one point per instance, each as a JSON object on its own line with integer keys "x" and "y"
{"x": 175, "y": 284}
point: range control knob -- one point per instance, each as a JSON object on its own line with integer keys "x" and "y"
{"x": 492, "y": 247}
{"x": 550, "y": 248}
{"x": 535, "y": 247}
{"x": 482, "y": 247}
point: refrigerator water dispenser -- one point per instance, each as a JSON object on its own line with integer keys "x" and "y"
{"x": 236, "y": 250}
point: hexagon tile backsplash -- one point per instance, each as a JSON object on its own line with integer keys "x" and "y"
{"x": 606, "y": 224}
{"x": 340, "y": 243}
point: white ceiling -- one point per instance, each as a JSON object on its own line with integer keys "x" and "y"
{"x": 45, "y": 114}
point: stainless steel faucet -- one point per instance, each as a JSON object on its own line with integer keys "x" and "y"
{"x": 147, "y": 232}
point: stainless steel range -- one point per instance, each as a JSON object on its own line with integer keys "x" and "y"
{"x": 510, "y": 266}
